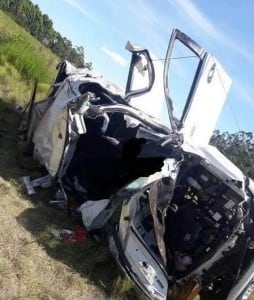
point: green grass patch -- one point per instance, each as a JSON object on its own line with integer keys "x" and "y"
{"x": 22, "y": 59}
{"x": 18, "y": 51}
{"x": 30, "y": 57}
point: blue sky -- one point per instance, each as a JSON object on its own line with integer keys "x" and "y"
{"x": 222, "y": 27}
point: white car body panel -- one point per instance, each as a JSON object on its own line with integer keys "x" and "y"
{"x": 207, "y": 102}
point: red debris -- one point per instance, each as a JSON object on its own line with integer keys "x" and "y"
{"x": 75, "y": 237}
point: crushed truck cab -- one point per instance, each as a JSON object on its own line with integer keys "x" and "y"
{"x": 183, "y": 209}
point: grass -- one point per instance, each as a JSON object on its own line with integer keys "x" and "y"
{"x": 11, "y": 32}
{"x": 22, "y": 59}
{"x": 14, "y": 89}
{"x": 18, "y": 51}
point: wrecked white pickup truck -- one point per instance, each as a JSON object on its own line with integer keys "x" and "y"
{"x": 185, "y": 225}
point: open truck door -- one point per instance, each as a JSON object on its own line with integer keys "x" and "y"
{"x": 144, "y": 88}
{"x": 187, "y": 95}
{"x": 197, "y": 85}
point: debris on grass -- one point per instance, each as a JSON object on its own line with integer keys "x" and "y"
{"x": 73, "y": 237}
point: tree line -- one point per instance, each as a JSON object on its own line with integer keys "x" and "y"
{"x": 238, "y": 147}
{"x": 29, "y": 16}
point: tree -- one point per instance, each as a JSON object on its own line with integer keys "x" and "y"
{"x": 238, "y": 147}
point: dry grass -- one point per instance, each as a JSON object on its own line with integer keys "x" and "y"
{"x": 27, "y": 271}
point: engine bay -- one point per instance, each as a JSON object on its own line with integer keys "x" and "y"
{"x": 204, "y": 212}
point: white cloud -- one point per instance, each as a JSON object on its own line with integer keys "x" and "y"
{"x": 82, "y": 10}
{"x": 116, "y": 57}
{"x": 196, "y": 16}
{"x": 147, "y": 27}
{"x": 244, "y": 93}
{"x": 197, "y": 19}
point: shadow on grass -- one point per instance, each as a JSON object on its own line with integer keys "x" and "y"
{"x": 91, "y": 259}
{"x": 12, "y": 161}
{"x": 8, "y": 141}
